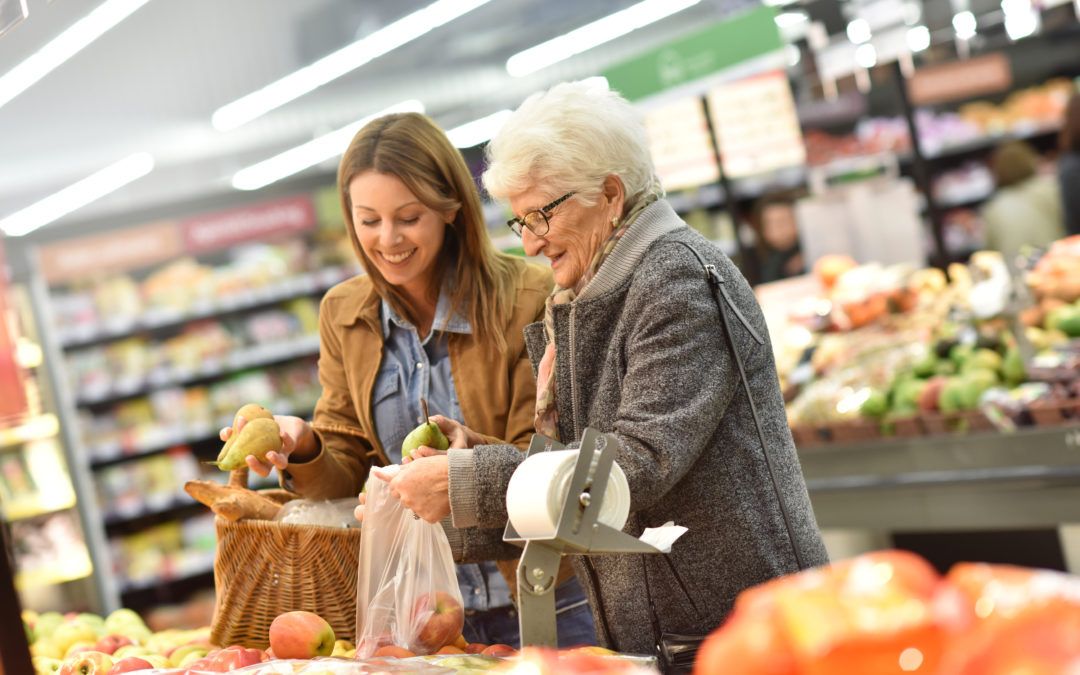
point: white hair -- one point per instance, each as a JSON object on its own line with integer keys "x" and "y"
{"x": 569, "y": 139}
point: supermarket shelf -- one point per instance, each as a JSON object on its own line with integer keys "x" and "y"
{"x": 130, "y": 587}
{"x": 1030, "y": 478}
{"x": 32, "y": 508}
{"x": 35, "y": 429}
{"x": 254, "y": 357}
{"x": 167, "y": 591}
{"x": 196, "y": 437}
{"x": 296, "y": 287}
{"x": 77, "y": 567}
{"x": 986, "y": 142}
{"x": 971, "y": 200}
{"x": 177, "y": 507}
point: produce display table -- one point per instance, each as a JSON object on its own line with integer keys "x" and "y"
{"x": 1026, "y": 479}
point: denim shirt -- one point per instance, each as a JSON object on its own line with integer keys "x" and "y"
{"x": 413, "y": 369}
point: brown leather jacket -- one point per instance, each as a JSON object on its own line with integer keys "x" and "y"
{"x": 496, "y": 391}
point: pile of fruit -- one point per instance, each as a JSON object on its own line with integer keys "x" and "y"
{"x": 891, "y": 612}
{"x": 929, "y": 353}
{"x": 1055, "y": 283}
{"x": 300, "y": 642}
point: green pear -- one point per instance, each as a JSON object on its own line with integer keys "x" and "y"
{"x": 258, "y": 437}
{"x": 428, "y": 434}
{"x": 249, "y": 412}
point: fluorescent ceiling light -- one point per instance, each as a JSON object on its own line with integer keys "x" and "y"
{"x": 476, "y": 132}
{"x": 311, "y": 153}
{"x": 858, "y": 31}
{"x": 78, "y": 195}
{"x": 794, "y": 26}
{"x": 1021, "y": 18}
{"x": 593, "y": 34}
{"x": 791, "y": 19}
{"x": 918, "y": 38}
{"x": 341, "y": 62}
{"x": 965, "y": 25}
{"x": 866, "y": 56}
{"x": 64, "y": 46}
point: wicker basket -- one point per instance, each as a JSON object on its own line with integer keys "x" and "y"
{"x": 264, "y": 568}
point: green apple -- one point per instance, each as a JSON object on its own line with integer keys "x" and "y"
{"x": 44, "y": 665}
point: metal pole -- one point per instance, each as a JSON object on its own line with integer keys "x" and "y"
{"x": 921, "y": 169}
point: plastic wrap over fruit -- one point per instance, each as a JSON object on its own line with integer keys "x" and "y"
{"x": 323, "y": 667}
{"x": 329, "y": 513}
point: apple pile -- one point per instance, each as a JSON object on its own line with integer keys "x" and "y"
{"x": 891, "y": 612}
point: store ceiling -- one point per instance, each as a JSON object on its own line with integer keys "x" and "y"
{"x": 152, "y": 82}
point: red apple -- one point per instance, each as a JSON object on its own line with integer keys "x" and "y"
{"x": 87, "y": 663}
{"x": 475, "y": 647}
{"x": 301, "y": 635}
{"x": 130, "y": 664}
{"x": 441, "y": 619}
{"x": 110, "y": 643}
{"x": 500, "y": 650}
{"x": 232, "y": 658}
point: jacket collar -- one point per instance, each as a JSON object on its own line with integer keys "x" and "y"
{"x": 654, "y": 222}
{"x": 361, "y": 306}
{"x": 442, "y": 322}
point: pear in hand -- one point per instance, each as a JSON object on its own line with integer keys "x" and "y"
{"x": 428, "y": 434}
{"x": 249, "y": 412}
{"x": 259, "y": 436}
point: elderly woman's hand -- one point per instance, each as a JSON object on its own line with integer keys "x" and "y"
{"x": 422, "y": 486}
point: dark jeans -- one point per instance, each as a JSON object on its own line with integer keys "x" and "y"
{"x": 500, "y": 625}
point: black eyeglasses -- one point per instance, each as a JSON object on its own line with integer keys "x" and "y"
{"x": 537, "y": 221}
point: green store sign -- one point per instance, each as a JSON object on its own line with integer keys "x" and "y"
{"x": 694, "y": 56}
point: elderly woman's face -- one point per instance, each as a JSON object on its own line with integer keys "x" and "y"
{"x": 575, "y": 233}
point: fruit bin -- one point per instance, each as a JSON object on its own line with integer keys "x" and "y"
{"x": 265, "y": 568}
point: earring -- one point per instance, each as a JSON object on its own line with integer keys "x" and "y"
{"x": 614, "y": 222}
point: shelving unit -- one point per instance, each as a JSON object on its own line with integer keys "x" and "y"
{"x": 159, "y": 386}
{"x": 259, "y": 356}
{"x": 1027, "y": 479}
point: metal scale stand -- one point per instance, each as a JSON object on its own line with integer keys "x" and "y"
{"x": 578, "y": 532}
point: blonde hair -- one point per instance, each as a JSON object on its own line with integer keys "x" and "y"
{"x": 413, "y": 148}
{"x": 569, "y": 139}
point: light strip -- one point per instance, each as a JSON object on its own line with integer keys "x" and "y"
{"x": 78, "y": 195}
{"x": 476, "y": 132}
{"x": 64, "y": 46}
{"x": 593, "y": 34}
{"x": 311, "y": 153}
{"x": 345, "y": 60}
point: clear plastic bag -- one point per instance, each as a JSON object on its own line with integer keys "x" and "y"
{"x": 407, "y": 591}
{"x": 327, "y": 513}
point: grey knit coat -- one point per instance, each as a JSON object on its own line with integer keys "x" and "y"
{"x": 641, "y": 353}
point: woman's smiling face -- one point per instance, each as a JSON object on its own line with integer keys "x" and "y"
{"x": 399, "y": 234}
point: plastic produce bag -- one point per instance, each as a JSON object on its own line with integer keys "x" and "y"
{"x": 407, "y": 592}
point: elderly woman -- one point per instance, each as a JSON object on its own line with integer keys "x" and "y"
{"x": 632, "y": 344}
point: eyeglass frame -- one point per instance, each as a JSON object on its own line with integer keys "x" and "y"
{"x": 517, "y": 225}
